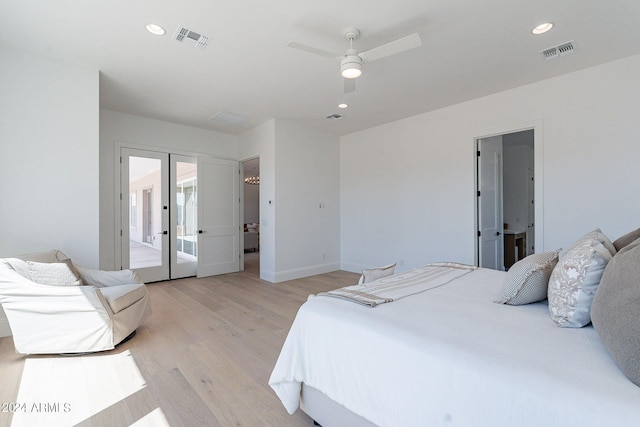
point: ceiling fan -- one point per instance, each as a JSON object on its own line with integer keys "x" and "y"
{"x": 351, "y": 61}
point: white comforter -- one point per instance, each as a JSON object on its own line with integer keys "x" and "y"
{"x": 450, "y": 356}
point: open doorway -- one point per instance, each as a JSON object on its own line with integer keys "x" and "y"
{"x": 505, "y": 199}
{"x": 251, "y": 215}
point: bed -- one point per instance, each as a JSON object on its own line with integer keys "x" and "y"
{"x": 448, "y": 355}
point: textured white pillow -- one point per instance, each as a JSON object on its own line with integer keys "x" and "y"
{"x": 372, "y": 274}
{"x": 528, "y": 279}
{"x": 598, "y": 235}
{"x": 574, "y": 280}
{"x": 54, "y": 274}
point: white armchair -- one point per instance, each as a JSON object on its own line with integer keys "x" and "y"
{"x": 67, "y": 318}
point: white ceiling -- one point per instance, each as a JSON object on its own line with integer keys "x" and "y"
{"x": 470, "y": 48}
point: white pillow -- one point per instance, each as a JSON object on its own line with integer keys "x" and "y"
{"x": 598, "y": 235}
{"x": 574, "y": 281}
{"x": 528, "y": 279}
{"x": 373, "y": 274}
{"x": 54, "y": 274}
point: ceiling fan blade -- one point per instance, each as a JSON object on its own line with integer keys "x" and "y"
{"x": 349, "y": 85}
{"x": 314, "y": 50}
{"x": 403, "y": 44}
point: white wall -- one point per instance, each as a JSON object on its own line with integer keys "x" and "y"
{"x": 260, "y": 142}
{"x": 48, "y": 158}
{"x": 307, "y": 177}
{"x": 407, "y": 188}
{"x": 140, "y": 132}
{"x": 297, "y": 238}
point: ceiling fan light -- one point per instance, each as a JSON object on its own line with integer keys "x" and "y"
{"x": 351, "y": 67}
{"x": 351, "y": 73}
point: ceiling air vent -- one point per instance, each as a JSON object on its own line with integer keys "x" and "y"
{"x": 557, "y": 51}
{"x": 228, "y": 118}
{"x": 334, "y": 116}
{"x": 185, "y": 35}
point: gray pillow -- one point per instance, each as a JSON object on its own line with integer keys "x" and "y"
{"x": 615, "y": 312}
{"x": 628, "y": 238}
{"x": 527, "y": 280}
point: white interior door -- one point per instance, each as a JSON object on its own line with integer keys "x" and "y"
{"x": 145, "y": 213}
{"x": 218, "y": 216}
{"x": 490, "y": 221}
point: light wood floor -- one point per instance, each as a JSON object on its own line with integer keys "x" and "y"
{"x": 203, "y": 358}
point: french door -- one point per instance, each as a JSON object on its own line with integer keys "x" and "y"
{"x": 160, "y": 215}
{"x": 219, "y": 213}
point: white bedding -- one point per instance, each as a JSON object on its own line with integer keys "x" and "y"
{"x": 451, "y": 357}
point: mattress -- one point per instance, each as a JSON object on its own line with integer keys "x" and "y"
{"x": 451, "y": 356}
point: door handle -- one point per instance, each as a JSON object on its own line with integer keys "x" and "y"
{"x": 201, "y": 231}
{"x": 163, "y": 232}
{"x": 498, "y": 233}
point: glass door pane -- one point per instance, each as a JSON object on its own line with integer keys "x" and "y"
{"x": 145, "y": 244}
{"x": 145, "y": 239}
{"x": 184, "y": 252}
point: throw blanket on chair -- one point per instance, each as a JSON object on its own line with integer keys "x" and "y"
{"x": 398, "y": 286}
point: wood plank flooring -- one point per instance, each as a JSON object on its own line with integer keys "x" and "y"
{"x": 202, "y": 359}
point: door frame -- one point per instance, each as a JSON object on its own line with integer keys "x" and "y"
{"x": 538, "y": 168}
{"x": 243, "y": 220}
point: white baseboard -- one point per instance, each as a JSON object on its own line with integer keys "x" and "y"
{"x": 269, "y": 276}
{"x": 298, "y": 273}
{"x": 353, "y": 268}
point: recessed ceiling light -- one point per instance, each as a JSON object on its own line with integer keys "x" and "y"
{"x": 343, "y": 105}
{"x": 542, "y": 28}
{"x": 155, "y": 29}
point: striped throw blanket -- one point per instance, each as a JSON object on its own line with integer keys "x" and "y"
{"x": 398, "y": 286}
